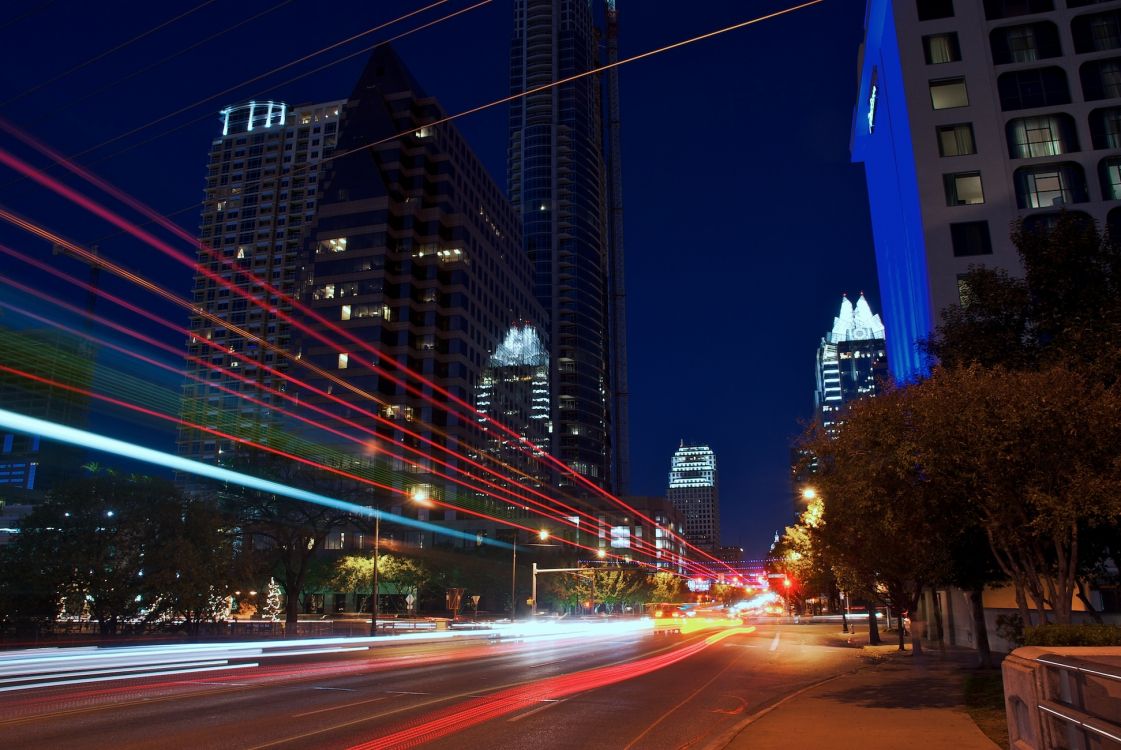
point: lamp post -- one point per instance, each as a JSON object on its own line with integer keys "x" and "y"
{"x": 374, "y": 594}
{"x": 543, "y": 535}
{"x": 514, "y": 580}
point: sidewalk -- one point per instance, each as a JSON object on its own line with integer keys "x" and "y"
{"x": 900, "y": 702}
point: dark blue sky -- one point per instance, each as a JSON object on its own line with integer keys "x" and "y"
{"x": 744, "y": 219}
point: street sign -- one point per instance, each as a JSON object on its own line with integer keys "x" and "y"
{"x": 475, "y": 599}
{"x": 410, "y": 599}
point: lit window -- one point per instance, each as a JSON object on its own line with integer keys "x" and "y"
{"x": 941, "y": 48}
{"x": 344, "y": 360}
{"x": 1047, "y": 135}
{"x": 336, "y": 245}
{"x": 956, "y": 140}
{"x": 1111, "y": 178}
{"x": 963, "y": 189}
{"x": 345, "y": 315}
{"x": 949, "y": 93}
{"x": 1050, "y": 185}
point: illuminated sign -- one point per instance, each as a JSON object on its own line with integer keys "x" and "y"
{"x": 872, "y": 103}
{"x": 698, "y": 584}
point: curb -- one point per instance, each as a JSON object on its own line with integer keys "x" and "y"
{"x": 726, "y": 737}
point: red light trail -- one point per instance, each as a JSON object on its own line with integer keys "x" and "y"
{"x": 641, "y": 546}
{"x": 139, "y": 233}
{"x": 168, "y": 250}
{"x": 471, "y": 713}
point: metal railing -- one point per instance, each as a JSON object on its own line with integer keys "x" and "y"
{"x": 1081, "y": 700}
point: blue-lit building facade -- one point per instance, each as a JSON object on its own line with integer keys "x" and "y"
{"x": 970, "y": 115}
{"x": 562, "y": 165}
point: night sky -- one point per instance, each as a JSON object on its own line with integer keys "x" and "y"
{"x": 745, "y": 220}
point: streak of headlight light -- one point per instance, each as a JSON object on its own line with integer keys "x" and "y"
{"x": 643, "y": 548}
{"x": 85, "y": 439}
{"x": 471, "y": 413}
{"x": 68, "y": 672}
{"x": 650, "y": 53}
{"x": 459, "y": 717}
{"x": 294, "y": 457}
{"x": 161, "y": 673}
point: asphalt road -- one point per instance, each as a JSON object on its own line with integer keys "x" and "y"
{"x": 651, "y": 691}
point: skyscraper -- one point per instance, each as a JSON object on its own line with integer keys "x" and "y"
{"x": 564, "y": 181}
{"x": 971, "y": 115}
{"x": 851, "y": 359}
{"x": 260, "y": 192}
{"x": 414, "y": 249}
{"x": 514, "y": 390}
{"x": 695, "y": 493}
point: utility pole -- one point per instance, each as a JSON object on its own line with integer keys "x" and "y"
{"x": 374, "y": 595}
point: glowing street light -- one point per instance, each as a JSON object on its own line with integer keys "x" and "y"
{"x": 601, "y": 553}
{"x": 809, "y": 493}
{"x": 543, "y": 535}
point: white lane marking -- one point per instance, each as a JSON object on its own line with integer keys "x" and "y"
{"x": 405, "y": 692}
{"x": 774, "y": 643}
{"x": 339, "y": 708}
{"x": 549, "y": 703}
{"x": 347, "y": 690}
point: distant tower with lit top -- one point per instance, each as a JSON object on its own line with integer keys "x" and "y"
{"x": 695, "y": 493}
{"x": 851, "y": 360}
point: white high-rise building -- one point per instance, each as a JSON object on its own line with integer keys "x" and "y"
{"x": 851, "y": 360}
{"x": 261, "y": 191}
{"x": 695, "y": 494}
{"x": 972, "y": 114}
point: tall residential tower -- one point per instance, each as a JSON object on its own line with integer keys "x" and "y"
{"x": 261, "y": 188}
{"x": 564, "y": 181}
{"x": 973, "y": 114}
{"x": 695, "y": 493}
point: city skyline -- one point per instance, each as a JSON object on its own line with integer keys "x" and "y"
{"x": 760, "y": 473}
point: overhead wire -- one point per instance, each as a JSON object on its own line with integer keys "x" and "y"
{"x": 89, "y": 61}
{"x": 644, "y": 55}
{"x": 26, "y": 14}
{"x": 266, "y": 74}
{"x": 162, "y": 61}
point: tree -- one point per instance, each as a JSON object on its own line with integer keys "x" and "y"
{"x": 665, "y": 587}
{"x": 285, "y": 532}
{"x": 1066, "y": 309}
{"x": 192, "y": 562}
{"x": 1036, "y": 453}
{"x": 618, "y": 587}
{"x": 272, "y": 601}
{"x": 356, "y": 573}
{"x": 881, "y": 526}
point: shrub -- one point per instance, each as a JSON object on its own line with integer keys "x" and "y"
{"x": 1072, "y": 635}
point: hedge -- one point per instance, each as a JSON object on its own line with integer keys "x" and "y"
{"x": 1072, "y": 635}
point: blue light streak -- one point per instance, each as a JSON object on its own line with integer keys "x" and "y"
{"x": 85, "y": 439}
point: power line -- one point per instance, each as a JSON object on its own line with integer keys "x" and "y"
{"x": 140, "y": 71}
{"x": 258, "y": 77}
{"x": 106, "y": 53}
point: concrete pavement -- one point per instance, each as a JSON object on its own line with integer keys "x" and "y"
{"x": 896, "y": 701}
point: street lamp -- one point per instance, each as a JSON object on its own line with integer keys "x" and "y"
{"x": 374, "y": 593}
{"x": 543, "y": 534}
{"x": 809, "y": 493}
